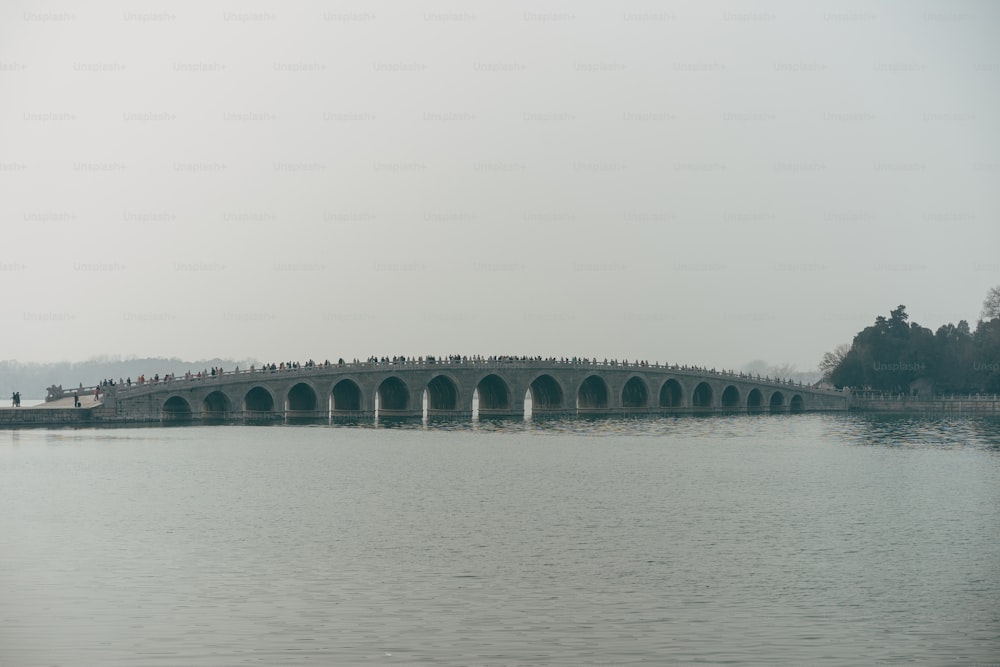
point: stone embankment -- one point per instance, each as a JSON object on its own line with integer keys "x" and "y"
{"x": 973, "y": 404}
{"x": 57, "y": 413}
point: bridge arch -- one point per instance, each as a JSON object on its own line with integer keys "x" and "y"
{"x": 258, "y": 399}
{"x": 393, "y": 394}
{"x": 346, "y": 396}
{"x": 635, "y": 393}
{"x": 302, "y": 397}
{"x": 671, "y": 394}
{"x": 731, "y": 397}
{"x": 701, "y": 397}
{"x": 216, "y": 405}
{"x": 494, "y": 393}
{"x": 442, "y": 393}
{"x": 546, "y": 393}
{"x": 796, "y": 405}
{"x": 755, "y": 400}
{"x": 777, "y": 402}
{"x": 176, "y": 408}
{"x": 593, "y": 393}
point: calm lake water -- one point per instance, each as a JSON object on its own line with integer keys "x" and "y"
{"x": 818, "y": 539}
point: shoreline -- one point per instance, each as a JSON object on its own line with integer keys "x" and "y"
{"x": 959, "y": 406}
{"x": 99, "y": 416}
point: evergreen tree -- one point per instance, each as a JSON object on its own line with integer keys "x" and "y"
{"x": 894, "y": 353}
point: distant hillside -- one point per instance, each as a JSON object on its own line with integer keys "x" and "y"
{"x": 32, "y": 379}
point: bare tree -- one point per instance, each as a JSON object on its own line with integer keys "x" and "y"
{"x": 784, "y": 371}
{"x": 832, "y": 359}
{"x": 991, "y": 306}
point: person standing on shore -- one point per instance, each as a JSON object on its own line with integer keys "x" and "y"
{"x": 97, "y": 393}
{"x": 76, "y": 400}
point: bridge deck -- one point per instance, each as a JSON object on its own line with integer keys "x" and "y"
{"x": 409, "y": 366}
{"x": 460, "y": 388}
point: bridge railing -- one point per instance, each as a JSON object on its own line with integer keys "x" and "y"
{"x": 919, "y": 398}
{"x": 81, "y": 392}
{"x": 189, "y": 379}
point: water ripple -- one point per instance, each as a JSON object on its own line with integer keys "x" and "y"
{"x": 814, "y": 539}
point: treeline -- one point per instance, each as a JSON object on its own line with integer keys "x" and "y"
{"x": 897, "y": 355}
{"x": 783, "y": 371}
{"x": 32, "y": 379}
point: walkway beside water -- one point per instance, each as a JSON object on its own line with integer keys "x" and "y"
{"x": 58, "y": 412}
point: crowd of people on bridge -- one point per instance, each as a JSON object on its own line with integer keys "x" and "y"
{"x": 451, "y": 359}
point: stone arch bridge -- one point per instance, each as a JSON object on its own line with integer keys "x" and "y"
{"x": 462, "y": 389}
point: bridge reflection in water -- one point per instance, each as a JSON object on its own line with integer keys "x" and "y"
{"x": 462, "y": 389}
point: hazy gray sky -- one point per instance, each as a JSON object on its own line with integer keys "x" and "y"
{"x": 702, "y": 182}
